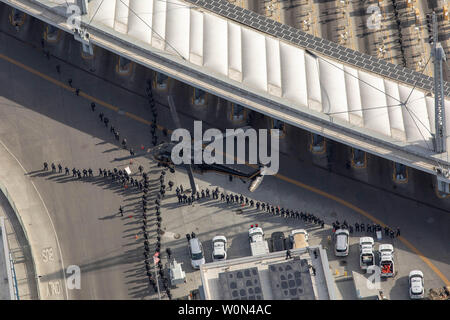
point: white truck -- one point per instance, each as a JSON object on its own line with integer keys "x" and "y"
{"x": 258, "y": 245}
{"x": 366, "y": 255}
{"x": 386, "y": 252}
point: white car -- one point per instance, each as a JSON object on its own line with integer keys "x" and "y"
{"x": 341, "y": 243}
{"x": 196, "y": 253}
{"x": 416, "y": 285}
{"x": 219, "y": 244}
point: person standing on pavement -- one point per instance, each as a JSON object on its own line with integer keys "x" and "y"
{"x": 93, "y": 106}
{"x": 121, "y": 211}
{"x": 59, "y": 168}
{"x": 45, "y": 166}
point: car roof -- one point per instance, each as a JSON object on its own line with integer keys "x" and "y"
{"x": 341, "y": 240}
{"x": 195, "y": 245}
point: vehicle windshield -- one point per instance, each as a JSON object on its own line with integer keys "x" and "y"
{"x": 197, "y": 256}
{"x": 218, "y": 256}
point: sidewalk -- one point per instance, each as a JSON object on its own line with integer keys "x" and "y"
{"x": 37, "y": 225}
{"x": 20, "y": 252}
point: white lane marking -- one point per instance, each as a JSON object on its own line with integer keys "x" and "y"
{"x": 48, "y": 214}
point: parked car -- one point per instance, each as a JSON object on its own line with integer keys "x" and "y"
{"x": 278, "y": 241}
{"x": 341, "y": 243}
{"x": 196, "y": 253}
{"x": 299, "y": 239}
{"x": 219, "y": 244}
{"x": 416, "y": 285}
{"x": 258, "y": 245}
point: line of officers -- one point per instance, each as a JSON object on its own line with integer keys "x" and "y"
{"x": 244, "y": 201}
{"x": 159, "y": 197}
{"x": 370, "y": 228}
{"x": 75, "y": 172}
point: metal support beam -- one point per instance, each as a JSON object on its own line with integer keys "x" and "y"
{"x": 176, "y": 120}
{"x": 439, "y": 101}
{"x": 83, "y": 4}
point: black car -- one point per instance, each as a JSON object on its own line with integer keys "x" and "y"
{"x": 278, "y": 241}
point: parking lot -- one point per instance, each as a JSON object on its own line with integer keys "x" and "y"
{"x": 209, "y": 217}
{"x": 305, "y": 184}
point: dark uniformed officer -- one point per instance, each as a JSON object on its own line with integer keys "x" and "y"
{"x": 53, "y": 167}
{"x": 227, "y": 198}
{"x": 263, "y": 206}
{"x": 356, "y": 227}
{"x": 121, "y": 211}
{"x": 90, "y": 172}
{"x": 45, "y": 166}
{"x": 257, "y": 205}
{"x": 93, "y": 106}
{"x": 288, "y": 254}
{"x": 362, "y": 225}
{"x": 101, "y": 116}
{"x": 74, "y": 172}
{"x": 79, "y": 174}
{"x": 59, "y": 168}
{"x": 84, "y": 173}
{"x": 67, "y": 171}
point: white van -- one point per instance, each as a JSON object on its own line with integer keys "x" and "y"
{"x": 341, "y": 243}
{"x": 196, "y": 253}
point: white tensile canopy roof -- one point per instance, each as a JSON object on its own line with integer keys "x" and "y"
{"x": 262, "y": 64}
